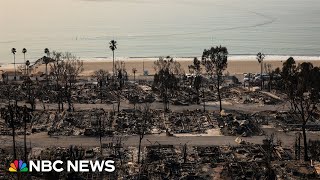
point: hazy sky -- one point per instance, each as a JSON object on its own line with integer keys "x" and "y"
{"x": 159, "y": 27}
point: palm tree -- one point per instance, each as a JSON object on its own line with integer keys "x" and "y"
{"x": 24, "y": 51}
{"x": 13, "y": 51}
{"x": 113, "y": 47}
{"x": 27, "y": 67}
{"x": 46, "y": 61}
{"x": 46, "y": 51}
{"x": 260, "y": 57}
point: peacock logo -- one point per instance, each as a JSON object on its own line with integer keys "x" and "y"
{"x": 18, "y": 166}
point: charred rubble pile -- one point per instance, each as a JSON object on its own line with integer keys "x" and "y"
{"x": 160, "y": 161}
{"x": 237, "y": 123}
{"x": 290, "y": 121}
{"x": 129, "y": 122}
{"x": 12, "y": 92}
{"x": 249, "y": 97}
{"x": 93, "y": 94}
{"x": 285, "y": 164}
{"x": 169, "y": 162}
{"x": 265, "y": 117}
{"x": 7, "y": 156}
{"x": 83, "y": 122}
{"x": 234, "y": 94}
{"x": 262, "y": 162}
{"x": 295, "y": 170}
{"x": 314, "y": 148}
{"x": 244, "y": 162}
{"x": 16, "y": 116}
{"x": 245, "y": 96}
{"x": 88, "y": 96}
{"x": 136, "y": 93}
{"x": 195, "y": 121}
{"x": 96, "y": 122}
{"x": 222, "y": 162}
{"x": 69, "y": 123}
{"x": 190, "y": 94}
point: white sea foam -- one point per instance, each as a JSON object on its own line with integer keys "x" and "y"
{"x": 230, "y": 58}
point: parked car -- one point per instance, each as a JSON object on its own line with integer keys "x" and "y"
{"x": 248, "y": 77}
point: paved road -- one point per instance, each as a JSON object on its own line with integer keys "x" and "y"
{"x": 42, "y": 140}
{"x": 251, "y": 108}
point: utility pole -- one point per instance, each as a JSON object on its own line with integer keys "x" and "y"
{"x": 12, "y": 118}
{"x": 25, "y": 118}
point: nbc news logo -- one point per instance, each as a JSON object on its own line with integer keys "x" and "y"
{"x": 18, "y": 166}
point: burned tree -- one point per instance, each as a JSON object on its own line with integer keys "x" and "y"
{"x": 11, "y": 113}
{"x": 119, "y": 83}
{"x": 302, "y": 86}
{"x": 65, "y": 71}
{"x": 269, "y": 71}
{"x": 142, "y": 126}
{"x": 166, "y": 78}
{"x": 196, "y": 69}
{"x": 12, "y": 121}
{"x": 215, "y": 62}
{"x": 98, "y": 114}
{"x": 102, "y": 77}
{"x": 268, "y": 146}
{"x": 26, "y": 118}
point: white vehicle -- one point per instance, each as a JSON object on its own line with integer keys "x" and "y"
{"x": 248, "y": 77}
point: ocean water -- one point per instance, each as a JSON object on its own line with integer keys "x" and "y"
{"x": 151, "y": 28}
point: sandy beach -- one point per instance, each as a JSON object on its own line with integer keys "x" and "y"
{"x": 234, "y": 66}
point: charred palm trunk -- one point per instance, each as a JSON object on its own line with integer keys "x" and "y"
{"x": 70, "y": 100}
{"x": 219, "y": 93}
{"x": 305, "y": 144}
{"x": 119, "y": 101}
{"x": 134, "y": 77}
{"x": 165, "y": 99}
{"x": 270, "y": 83}
{"x": 113, "y": 63}
{"x": 139, "y": 150}
{"x": 261, "y": 64}
{"x": 24, "y": 58}
{"x": 13, "y": 132}
{"x": 100, "y": 135}
{"x": 59, "y": 96}
{"x": 61, "y": 101}
{"x": 141, "y": 136}
{"x": 15, "y": 70}
{"x": 197, "y": 95}
{"x": 68, "y": 95}
{"x": 47, "y": 73}
{"x": 100, "y": 91}
{"x": 204, "y": 101}
{"x": 168, "y": 103}
{"x": 25, "y": 134}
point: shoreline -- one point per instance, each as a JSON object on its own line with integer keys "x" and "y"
{"x": 235, "y": 65}
{"x": 231, "y": 57}
{"x": 190, "y": 58}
